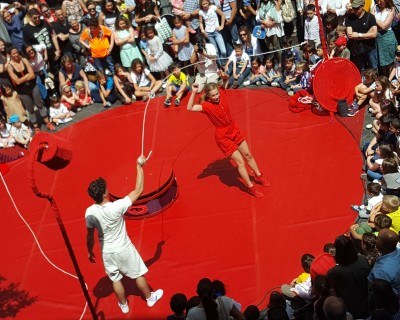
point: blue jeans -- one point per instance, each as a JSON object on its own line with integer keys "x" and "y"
{"x": 242, "y": 77}
{"x": 366, "y": 60}
{"x": 101, "y": 63}
{"x": 231, "y": 34}
{"x": 216, "y": 39}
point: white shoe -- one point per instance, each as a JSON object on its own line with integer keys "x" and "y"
{"x": 155, "y": 296}
{"x": 124, "y": 307}
{"x": 290, "y": 93}
{"x": 246, "y": 83}
{"x": 275, "y": 84}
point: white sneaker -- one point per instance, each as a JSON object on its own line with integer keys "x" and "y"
{"x": 155, "y": 296}
{"x": 246, "y": 83}
{"x": 275, "y": 84}
{"x": 124, "y": 307}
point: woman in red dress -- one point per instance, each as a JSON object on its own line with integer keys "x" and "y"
{"x": 228, "y": 136}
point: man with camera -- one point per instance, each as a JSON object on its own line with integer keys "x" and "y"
{"x": 205, "y": 54}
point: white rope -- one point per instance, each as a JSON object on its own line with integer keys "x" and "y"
{"x": 252, "y": 55}
{"x": 37, "y": 241}
{"x": 151, "y": 96}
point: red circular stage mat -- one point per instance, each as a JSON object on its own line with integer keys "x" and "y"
{"x": 214, "y": 229}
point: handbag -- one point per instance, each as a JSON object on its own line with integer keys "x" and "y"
{"x": 259, "y": 32}
{"x": 163, "y": 29}
{"x": 288, "y": 13}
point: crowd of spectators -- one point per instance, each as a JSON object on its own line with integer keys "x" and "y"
{"x": 56, "y": 61}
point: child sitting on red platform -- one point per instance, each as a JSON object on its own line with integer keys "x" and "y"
{"x": 301, "y": 285}
{"x": 84, "y": 98}
{"x": 363, "y": 90}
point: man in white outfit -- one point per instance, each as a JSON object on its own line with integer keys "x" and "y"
{"x": 120, "y": 256}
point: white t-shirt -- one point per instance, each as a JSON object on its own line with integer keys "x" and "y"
{"x": 374, "y": 201}
{"x": 209, "y": 67}
{"x": 56, "y": 112}
{"x": 6, "y": 131}
{"x": 109, "y": 221}
{"x": 240, "y": 61}
{"x": 21, "y": 133}
{"x": 210, "y": 18}
{"x": 144, "y": 80}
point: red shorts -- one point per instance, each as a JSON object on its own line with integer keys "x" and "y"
{"x": 228, "y": 138}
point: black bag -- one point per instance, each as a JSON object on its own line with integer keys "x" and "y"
{"x": 342, "y": 108}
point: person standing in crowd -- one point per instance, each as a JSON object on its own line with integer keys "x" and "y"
{"x": 24, "y": 80}
{"x": 230, "y": 28}
{"x": 361, "y": 30}
{"x": 61, "y": 28}
{"x": 38, "y": 31}
{"x": 207, "y": 69}
{"x": 386, "y": 42}
{"x": 100, "y": 41}
{"x": 120, "y": 256}
{"x": 14, "y": 25}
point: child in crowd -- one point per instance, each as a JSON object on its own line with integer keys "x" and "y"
{"x": 380, "y": 222}
{"x": 341, "y": 31}
{"x": 68, "y": 98}
{"x": 238, "y": 67}
{"x": 180, "y": 38}
{"x": 252, "y": 313}
{"x": 289, "y": 74}
{"x": 394, "y": 76}
{"x": 6, "y": 138}
{"x": 272, "y": 71}
{"x": 106, "y": 88}
{"x": 178, "y": 305}
{"x": 19, "y": 131}
{"x": 330, "y": 22}
{"x": 143, "y": 45}
{"x": 390, "y": 204}
{"x": 84, "y": 98}
{"x": 330, "y": 248}
{"x": 58, "y": 111}
{"x": 11, "y": 102}
{"x": 303, "y": 78}
{"x": 368, "y": 248}
{"x": 387, "y": 107}
{"x": 143, "y": 81}
{"x": 287, "y": 44}
{"x": 258, "y": 75}
{"x": 301, "y": 285}
{"x": 210, "y": 28}
{"x": 310, "y": 54}
{"x": 382, "y": 92}
{"x": 124, "y": 85}
{"x": 340, "y": 50}
{"x": 177, "y": 83}
{"x": 158, "y": 59}
{"x": 363, "y": 90}
{"x": 375, "y": 196}
{"x": 311, "y": 26}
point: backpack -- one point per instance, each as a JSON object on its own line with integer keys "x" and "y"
{"x": 288, "y": 12}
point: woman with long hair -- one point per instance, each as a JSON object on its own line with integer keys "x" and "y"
{"x": 23, "y": 78}
{"x": 211, "y": 308}
{"x": 349, "y": 277}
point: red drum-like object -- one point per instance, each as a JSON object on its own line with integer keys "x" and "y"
{"x": 334, "y": 80}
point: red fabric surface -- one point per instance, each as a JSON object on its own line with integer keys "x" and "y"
{"x": 214, "y": 229}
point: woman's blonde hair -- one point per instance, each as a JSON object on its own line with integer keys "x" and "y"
{"x": 207, "y": 89}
